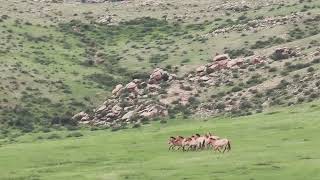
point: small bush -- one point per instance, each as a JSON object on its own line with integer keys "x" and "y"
{"x": 234, "y": 53}
{"x": 273, "y": 69}
{"x": 75, "y": 134}
{"x": 54, "y": 136}
{"x": 236, "y": 89}
{"x": 310, "y": 69}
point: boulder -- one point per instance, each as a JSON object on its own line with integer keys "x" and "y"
{"x": 234, "y": 63}
{"x": 222, "y": 64}
{"x": 111, "y": 115}
{"x": 201, "y": 69}
{"x": 116, "y": 109}
{"x": 184, "y": 99}
{"x": 81, "y": 116}
{"x": 131, "y": 86}
{"x": 101, "y": 108}
{"x": 213, "y": 67}
{"x": 153, "y": 112}
{"x": 117, "y": 90}
{"x": 284, "y": 53}
{"x": 204, "y": 78}
{"x": 158, "y": 75}
{"x": 153, "y": 87}
{"x": 257, "y": 60}
{"x": 137, "y": 81}
{"x": 221, "y": 57}
{"x": 128, "y": 116}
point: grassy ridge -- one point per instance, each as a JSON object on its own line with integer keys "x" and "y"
{"x": 279, "y": 144}
{"x": 53, "y": 66}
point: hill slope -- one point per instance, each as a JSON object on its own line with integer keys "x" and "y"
{"x": 60, "y": 58}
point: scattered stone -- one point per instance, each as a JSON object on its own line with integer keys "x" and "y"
{"x": 81, "y": 116}
{"x": 221, "y": 57}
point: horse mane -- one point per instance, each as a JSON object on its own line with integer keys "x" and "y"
{"x": 198, "y": 135}
{"x": 181, "y": 137}
{"x": 172, "y": 137}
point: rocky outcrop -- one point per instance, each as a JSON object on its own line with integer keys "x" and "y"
{"x": 131, "y": 103}
{"x": 285, "y": 53}
{"x": 159, "y": 75}
{"x": 139, "y": 101}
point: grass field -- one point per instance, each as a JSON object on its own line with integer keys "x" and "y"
{"x": 280, "y": 144}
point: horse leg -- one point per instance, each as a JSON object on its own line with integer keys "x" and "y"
{"x": 225, "y": 148}
{"x": 218, "y": 148}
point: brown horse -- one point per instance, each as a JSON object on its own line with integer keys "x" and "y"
{"x": 191, "y": 143}
{"x": 220, "y": 144}
{"x": 175, "y": 142}
{"x": 207, "y": 139}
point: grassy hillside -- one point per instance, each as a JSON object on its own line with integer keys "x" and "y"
{"x": 57, "y": 59}
{"x": 280, "y": 144}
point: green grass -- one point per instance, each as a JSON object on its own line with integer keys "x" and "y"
{"x": 281, "y": 144}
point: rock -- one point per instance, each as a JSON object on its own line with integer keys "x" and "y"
{"x": 106, "y": 19}
{"x": 158, "y": 75}
{"x": 284, "y": 53}
{"x": 234, "y": 63}
{"x": 201, "y": 69}
{"x": 131, "y": 86}
{"x": 221, "y": 57}
{"x": 116, "y": 109}
{"x": 81, "y": 116}
{"x": 154, "y": 111}
{"x": 128, "y": 108}
{"x": 137, "y": 81}
{"x": 128, "y": 116}
{"x": 172, "y": 77}
{"x": 153, "y": 87}
{"x": 111, "y": 115}
{"x": 212, "y": 68}
{"x": 117, "y": 90}
{"x": 204, "y": 78}
{"x": 101, "y": 108}
{"x": 257, "y": 60}
{"x": 222, "y": 64}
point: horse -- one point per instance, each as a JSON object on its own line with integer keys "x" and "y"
{"x": 219, "y": 144}
{"x": 175, "y": 142}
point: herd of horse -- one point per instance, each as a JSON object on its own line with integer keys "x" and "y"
{"x": 198, "y": 142}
